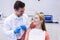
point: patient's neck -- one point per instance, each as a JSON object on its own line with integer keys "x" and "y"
{"x": 38, "y": 26}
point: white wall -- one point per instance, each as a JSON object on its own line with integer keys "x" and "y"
{"x": 50, "y": 7}
{"x": 6, "y": 6}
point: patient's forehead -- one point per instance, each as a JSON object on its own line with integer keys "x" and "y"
{"x": 36, "y": 17}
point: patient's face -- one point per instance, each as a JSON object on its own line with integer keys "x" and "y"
{"x": 36, "y": 20}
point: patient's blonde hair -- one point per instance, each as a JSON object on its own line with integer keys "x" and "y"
{"x": 41, "y": 16}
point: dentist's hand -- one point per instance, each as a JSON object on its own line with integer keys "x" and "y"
{"x": 17, "y": 30}
{"x": 23, "y": 27}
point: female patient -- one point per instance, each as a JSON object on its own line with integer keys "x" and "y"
{"x": 38, "y": 22}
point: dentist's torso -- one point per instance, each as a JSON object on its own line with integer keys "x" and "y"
{"x": 14, "y": 22}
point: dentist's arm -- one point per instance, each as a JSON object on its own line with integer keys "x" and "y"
{"x": 7, "y": 29}
{"x": 17, "y": 30}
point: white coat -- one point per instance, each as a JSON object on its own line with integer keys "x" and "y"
{"x": 11, "y": 23}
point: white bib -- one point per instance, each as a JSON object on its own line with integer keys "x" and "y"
{"x": 36, "y": 34}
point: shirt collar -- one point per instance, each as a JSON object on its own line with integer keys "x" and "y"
{"x": 16, "y": 17}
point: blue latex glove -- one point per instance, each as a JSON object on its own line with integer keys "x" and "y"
{"x": 17, "y": 30}
{"x": 23, "y": 27}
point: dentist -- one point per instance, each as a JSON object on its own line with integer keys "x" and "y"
{"x": 16, "y": 24}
